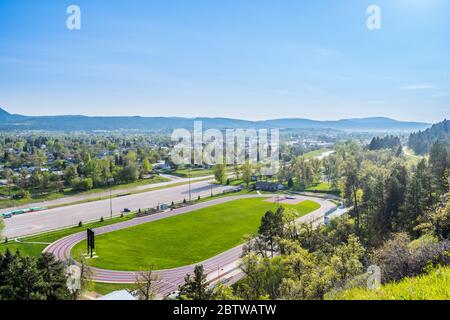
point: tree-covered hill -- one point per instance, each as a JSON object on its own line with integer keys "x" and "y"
{"x": 422, "y": 141}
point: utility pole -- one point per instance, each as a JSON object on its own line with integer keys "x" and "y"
{"x": 111, "y": 181}
{"x": 190, "y": 169}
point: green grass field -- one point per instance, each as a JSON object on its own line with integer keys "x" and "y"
{"x": 321, "y": 187}
{"x": 315, "y": 153}
{"x": 433, "y": 286}
{"x": 105, "y": 288}
{"x": 185, "y": 239}
{"x": 194, "y": 173}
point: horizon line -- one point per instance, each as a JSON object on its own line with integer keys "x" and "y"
{"x": 211, "y": 117}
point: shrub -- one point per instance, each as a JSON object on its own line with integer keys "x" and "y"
{"x": 290, "y": 183}
{"x": 82, "y": 184}
{"x": 22, "y": 194}
{"x": 398, "y": 258}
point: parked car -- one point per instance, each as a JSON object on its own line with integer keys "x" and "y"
{"x": 126, "y": 210}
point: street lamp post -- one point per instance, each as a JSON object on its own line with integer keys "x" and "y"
{"x": 190, "y": 197}
{"x": 111, "y": 181}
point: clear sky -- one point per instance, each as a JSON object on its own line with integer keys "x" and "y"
{"x": 249, "y": 59}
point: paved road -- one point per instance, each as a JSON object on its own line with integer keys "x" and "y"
{"x": 222, "y": 266}
{"x": 36, "y": 222}
{"x": 97, "y": 195}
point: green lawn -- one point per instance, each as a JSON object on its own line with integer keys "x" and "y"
{"x": 105, "y": 288}
{"x": 25, "y": 249}
{"x": 321, "y": 187}
{"x": 185, "y": 239}
{"x": 315, "y": 153}
{"x": 184, "y": 173}
{"x": 433, "y": 286}
{"x": 195, "y": 173}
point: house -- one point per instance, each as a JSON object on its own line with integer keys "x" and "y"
{"x": 161, "y": 165}
{"x": 268, "y": 186}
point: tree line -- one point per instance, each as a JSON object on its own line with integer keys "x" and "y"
{"x": 399, "y": 221}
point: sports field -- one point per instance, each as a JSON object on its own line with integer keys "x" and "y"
{"x": 184, "y": 239}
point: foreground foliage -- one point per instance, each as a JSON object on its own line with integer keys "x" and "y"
{"x": 432, "y": 286}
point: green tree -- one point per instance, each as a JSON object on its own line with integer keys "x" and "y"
{"x": 70, "y": 173}
{"x": 53, "y": 275}
{"x": 195, "y": 287}
{"x": 2, "y": 226}
{"x": 350, "y": 188}
{"x": 272, "y": 225}
{"x": 439, "y": 164}
{"x": 346, "y": 260}
{"x": 146, "y": 166}
{"x": 247, "y": 172}
{"x": 219, "y": 171}
{"x": 237, "y": 171}
{"x": 437, "y": 223}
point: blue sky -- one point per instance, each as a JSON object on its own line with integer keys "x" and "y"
{"x": 252, "y": 59}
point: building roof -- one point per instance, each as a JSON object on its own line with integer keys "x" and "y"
{"x": 118, "y": 295}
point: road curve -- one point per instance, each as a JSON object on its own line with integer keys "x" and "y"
{"x": 169, "y": 280}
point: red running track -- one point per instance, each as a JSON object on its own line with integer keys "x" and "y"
{"x": 170, "y": 279}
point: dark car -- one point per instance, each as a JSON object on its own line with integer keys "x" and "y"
{"x": 126, "y": 210}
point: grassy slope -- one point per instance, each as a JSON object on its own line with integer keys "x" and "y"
{"x": 433, "y": 286}
{"x": 184, "y": 239}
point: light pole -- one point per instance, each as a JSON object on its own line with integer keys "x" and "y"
{"x": 111, "y": 181}
{"x": 218, "y": 273}
{"x": 190, "y": 169}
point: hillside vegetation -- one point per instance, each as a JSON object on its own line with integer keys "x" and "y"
{"x": 422, "y": 141}
{"x": 433, "y": 286}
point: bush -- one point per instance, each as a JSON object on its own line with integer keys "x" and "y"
{"x": 290, "y": 183}
{"x": 79, "y": 184}
{"x": 22, "y": 194}
{"x": 399, "y": 258}
{"x": 433, "y": 286}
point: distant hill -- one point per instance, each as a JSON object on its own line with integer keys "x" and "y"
{"x": 83, "y": 123}
{"x": 422, "y": 141}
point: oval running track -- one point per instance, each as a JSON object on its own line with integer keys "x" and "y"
{"x": 168, "y": 280}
